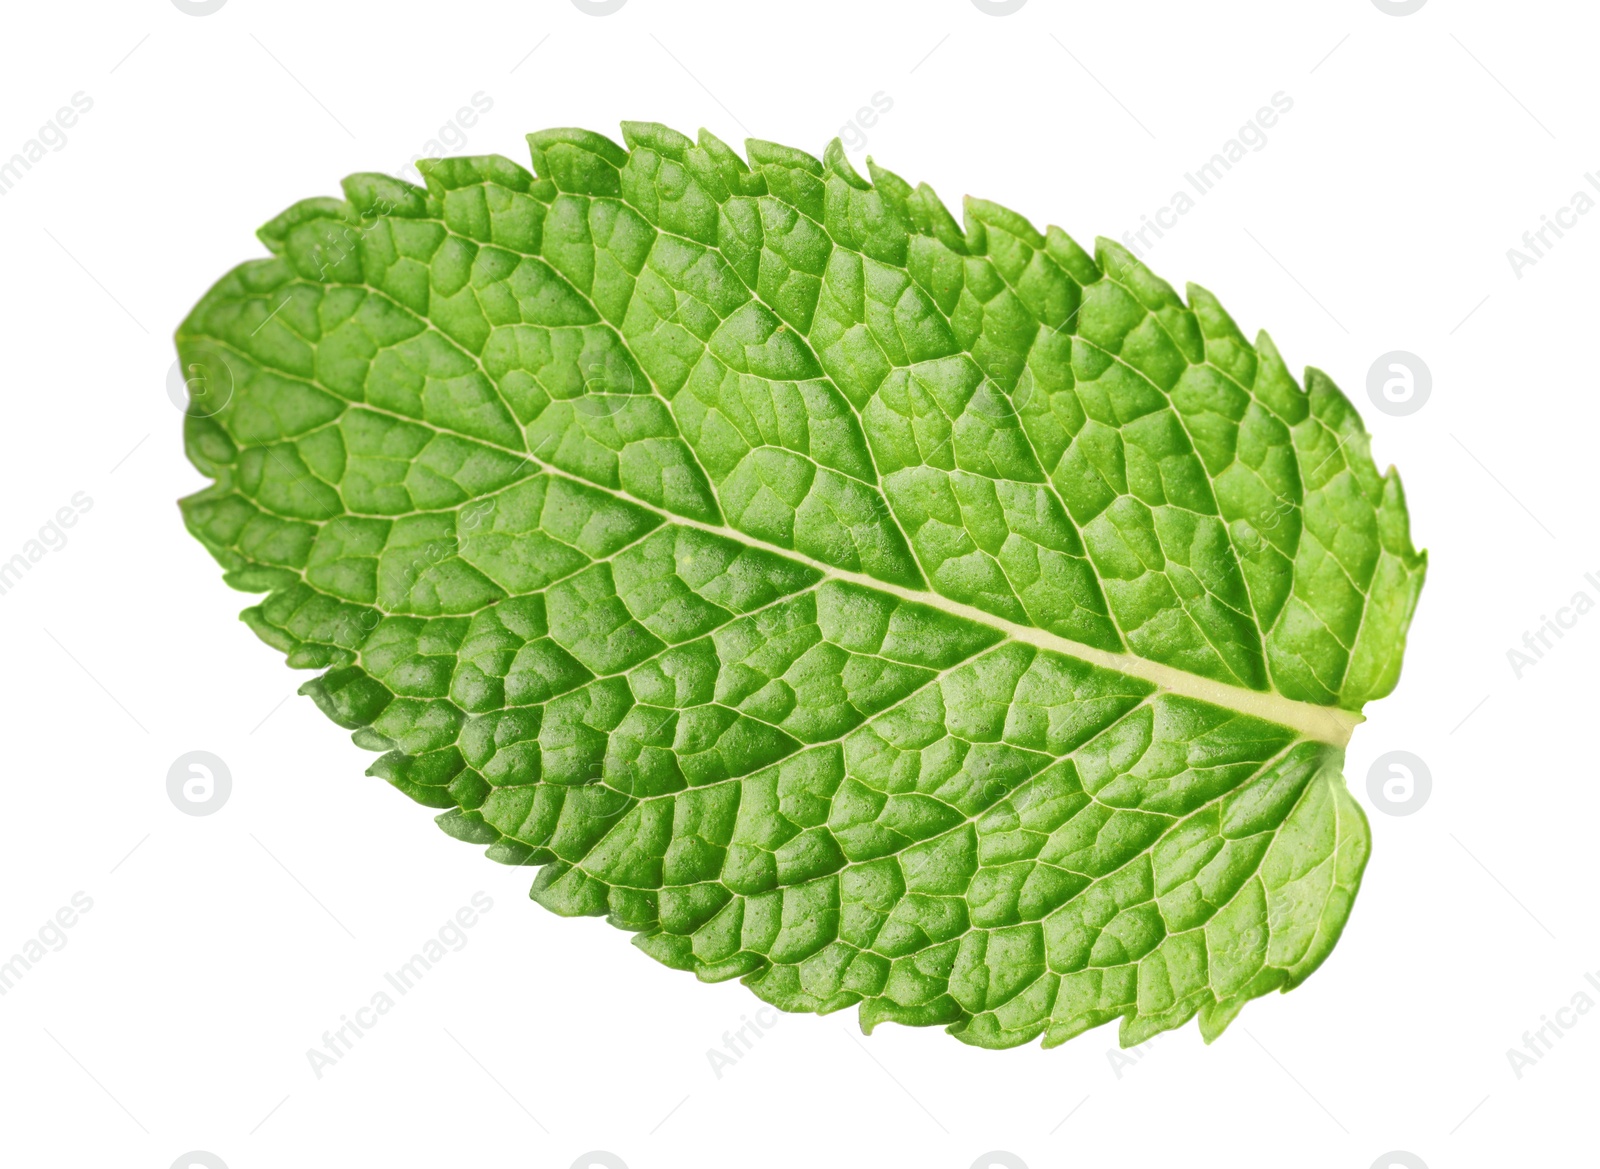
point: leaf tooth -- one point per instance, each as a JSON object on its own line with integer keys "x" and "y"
{"x": 1224, "y": 343}
{"x": 1275, "y": 385}
{"x": 576, "y": 160}
{"x": 837, "y": 163}
{"x": 933, "y": 218}
{"x": 977, "y": 232}
{"x": 1112, "y": 257}
{"x": 1215, "y": 1016}
{"x": 733, "y": 170}
{"x": 894, "y": 190}
{"x": 1070, "y": 254}
{"x": 1384, "y": 490}
{"x": 721, "y": 151}
{"x": 275, "y": 232}
{"x": 468, "y": 826}
{"x": 1341, "y": 417}
{"x": 1215, "y": 321}
{"x": 889, "y": 182}
{"x": 1128, "y": 270}
{"x": 442, "y": 175}
{"x": 664, "y": 140}
{"x": 1394, "y": 511}
{"x": 994, "y": 215}
{"x": 1338, "y": 413}
{"x": 760, "y": 152}
{"x": 370, "y": 193}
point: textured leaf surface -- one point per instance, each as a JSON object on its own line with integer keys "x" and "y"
{"x": 933, "y": 618}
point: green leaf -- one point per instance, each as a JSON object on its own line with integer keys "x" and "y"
{"x": 928, "y": 618}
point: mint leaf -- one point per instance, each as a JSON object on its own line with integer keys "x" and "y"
{"x": 925, "y": 617}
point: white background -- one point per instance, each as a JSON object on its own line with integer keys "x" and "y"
{"x": 1378, "y": 217}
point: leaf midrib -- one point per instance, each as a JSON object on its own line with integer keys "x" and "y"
{"x": 1325, "y": 724}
